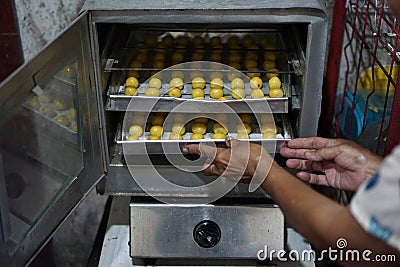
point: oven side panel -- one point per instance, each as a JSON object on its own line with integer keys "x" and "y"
{"x": 312, "y": 93}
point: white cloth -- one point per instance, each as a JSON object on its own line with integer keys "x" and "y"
{"x": 376, "y": 205}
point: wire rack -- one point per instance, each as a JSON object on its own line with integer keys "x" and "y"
{"x": 367, "y": 106}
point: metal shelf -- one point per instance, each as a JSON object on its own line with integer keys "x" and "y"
{"x": 118, "y": 101}
{"x": 144, "y": 146}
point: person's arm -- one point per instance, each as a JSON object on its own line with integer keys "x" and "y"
{"x": 318, "y": 218}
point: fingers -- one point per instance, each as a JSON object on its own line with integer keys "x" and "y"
{"x": 328, "y": 153}
{"x": 234, "y": 143}
{"x": 211, "y": 170}
{"x": 231, "y": 162}
{"x": 314, "y": 143}
{"x": 216, "y": 170}
{"x": 201, "y": 150}
{"x": 228, "y": 141}
{"x": 308, "y": 165}
{"x": 313, "y": 178}
{"x": 245, "y": 180}
{"x": 293, "y": 153}
{"x": 191, "y": 149}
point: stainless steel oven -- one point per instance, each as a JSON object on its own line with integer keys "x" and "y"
{"x": 64, "y": 120}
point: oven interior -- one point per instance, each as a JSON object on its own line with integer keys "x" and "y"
{"x": 142, "y": 50}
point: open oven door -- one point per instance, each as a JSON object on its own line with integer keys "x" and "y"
{"x": 50, "y": 143}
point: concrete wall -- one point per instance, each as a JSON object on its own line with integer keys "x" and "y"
{"x": 41, "y": 21}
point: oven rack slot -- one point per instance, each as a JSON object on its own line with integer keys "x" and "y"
{"x": 142, "y": 36}
{"x": 245, "y": 60}
{"x": 124, "y": 183}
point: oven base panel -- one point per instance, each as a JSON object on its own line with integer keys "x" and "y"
{"x": 204, "y": 231}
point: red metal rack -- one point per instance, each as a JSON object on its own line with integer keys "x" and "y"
{"x": 362, "y": 95}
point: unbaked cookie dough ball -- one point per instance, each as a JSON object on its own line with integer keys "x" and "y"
{"x": 48, "y": 111}
{"x": 62, "y": 119}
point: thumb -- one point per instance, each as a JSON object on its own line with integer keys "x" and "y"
{"x": 228, "y": 141}
{"x": 200, "y": 149}
{"x": 191, "y": 149}
{"x": 231, "y": 142}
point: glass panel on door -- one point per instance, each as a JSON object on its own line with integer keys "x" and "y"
{"x": 52, "y": 148}
{"x": 41, "y": 151}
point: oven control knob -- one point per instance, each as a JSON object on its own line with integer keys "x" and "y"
{"x": 207, "y": 234}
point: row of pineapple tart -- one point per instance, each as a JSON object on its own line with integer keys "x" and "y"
{"x": 198, "y": 128}
{"x": 216, "y": 88}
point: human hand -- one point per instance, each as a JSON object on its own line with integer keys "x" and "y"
{"x": 344, "y": 164}
{"x": 239, "y": 161}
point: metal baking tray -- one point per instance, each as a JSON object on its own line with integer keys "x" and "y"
{"x": 144, "y": 146}
{"x": 164, "y": 103}
{"x": 62, "y": 88}
{"x": 50, "y": 125}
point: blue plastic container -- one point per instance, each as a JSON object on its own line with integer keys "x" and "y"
{"x": 374, "y": 112}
